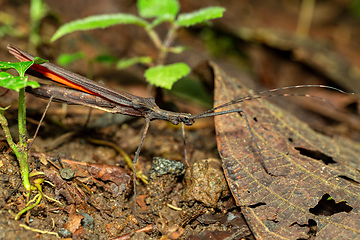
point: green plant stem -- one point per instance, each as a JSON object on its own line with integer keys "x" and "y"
{"x": 166, "y": 44}
{"x": 170, "y": 36}
{"x": 163, "y": 47}
{"x": 21, "y": 119}
{"x": 154, "y": 38}
{"x": 39, "y": 197}
{"x": 5, "y": 127}
{"x": 22, "y": 158}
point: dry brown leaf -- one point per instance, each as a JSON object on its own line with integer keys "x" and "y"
{"x": 283, "y": 206}
{"x": 117, "y": 175}
{"x": 74, "y": 221}
{"x": 68, "y": 189}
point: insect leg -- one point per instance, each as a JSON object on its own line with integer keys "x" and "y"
{"x": 137, "y": 154}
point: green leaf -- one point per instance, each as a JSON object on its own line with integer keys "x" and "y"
{"x": 15, "y": 83}
{"x": 124, "y": 63}
{"x": 20, "y": 67}
{"x": 98, "y": 21}
{"x": 66, "y": 59}
{"x": 38, "y": 60}
{"x": 159, "y": 20}
{"x": 166, "y": 76}
{"x": 178, "y": 49}
{"x": 38, "y": 10}
{"x": 158, "y": 8}
{"x": 189, "y": 19}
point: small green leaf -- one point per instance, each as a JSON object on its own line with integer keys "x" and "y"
{"x": 178, "y": 49}
{"x": 124, "y": 63}
{"x": 166, "y": 76}
{"x": 159, "y": 20}
{"x": 15, "y": 83}
{"x": 158, "y": 9}
{"x": 189, "y": 19}
{"x": 66, "y": 59}
{"x": 98, "y": 21}
{"x": 38, "y": 10}
{"x": 38, "y": 60}
{"x": 20, "y": 67}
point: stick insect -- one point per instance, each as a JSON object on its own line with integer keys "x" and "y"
{"x": 92, "y": 94}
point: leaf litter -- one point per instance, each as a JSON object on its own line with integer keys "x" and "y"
{"x": 170, "y": 223}
{"x": 311, "y": 225}
{"x": 91, "y": 205}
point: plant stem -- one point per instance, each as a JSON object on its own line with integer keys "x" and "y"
{"x": 21, "y": 119}
{"x": 166, "y": 44}
{"x": 39, "y": 197}
{"x": 24, "y": 169}
{"x": 23, "y": 159}
{"x": 163, "y": 47}
{"x": 154, "y": 37}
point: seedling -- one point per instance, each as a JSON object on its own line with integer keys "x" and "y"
{"x": 158, "y": 73}
{"x": 19, "y": 83}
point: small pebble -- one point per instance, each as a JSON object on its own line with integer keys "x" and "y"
{"x": 66, "y": 173}
{"x": 205, "y": 183}
{"x": 162, "y": 166}
{"x": 88, "y": 221}
{"x": 64, "y": 233}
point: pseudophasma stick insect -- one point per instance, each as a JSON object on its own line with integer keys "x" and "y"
{"x": 90, "y": 93}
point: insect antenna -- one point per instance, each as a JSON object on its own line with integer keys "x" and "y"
{"x": 259, "y": 95}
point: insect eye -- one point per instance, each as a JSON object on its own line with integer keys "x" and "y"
{"x": 185, "y": 119}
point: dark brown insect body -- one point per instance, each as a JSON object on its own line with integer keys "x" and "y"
{"x": 92, "y": 94}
